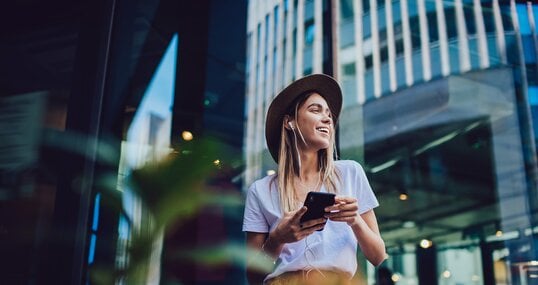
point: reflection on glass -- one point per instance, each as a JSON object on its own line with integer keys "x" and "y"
{"x": 148, "y": 139}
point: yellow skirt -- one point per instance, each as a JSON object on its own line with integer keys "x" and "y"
{"x": 312, "y": 277}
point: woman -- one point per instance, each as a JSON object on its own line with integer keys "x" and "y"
{"x": 300, "y": 134}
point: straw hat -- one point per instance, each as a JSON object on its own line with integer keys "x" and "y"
{"x": 323, "y": 84}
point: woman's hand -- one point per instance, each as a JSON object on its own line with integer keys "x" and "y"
{"x": 364, "y": 226}
{"x": 345, "y": 209}
{"x": 290, "y": 229}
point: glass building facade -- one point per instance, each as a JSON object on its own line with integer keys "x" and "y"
{"x": 440, "y": 107}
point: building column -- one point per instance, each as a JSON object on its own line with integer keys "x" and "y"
{"x": 318, "y": 37}
{"x": 424, "y": 41}
{"x": 391, "y": 46}
{"x": 408, "y": 48}
{"x": 463, "y": 43}
{"x": 443, "y": 38}
{"x": 499, "y": 31}
{"x": 376, "y": 60}
{"x": 300, "y": 40}
{"x": 481, "y": 34}
{"x": 359, "y": 64}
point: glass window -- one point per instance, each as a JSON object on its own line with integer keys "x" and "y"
{"x": 470, "y": 22}
{"x": 380, "y": 4}
{"x": 381, "y": 19}
{"x": 400, "y": 72}
{"x": 488, "y": 17}
{"x": 284, "y": 59}
{"x": 295, "y": 11}
{"x": 349, "y": 84}
{"x": 308, "y": 55}
{"x": 396, "y": 11}
{"x": 451, "y": 22}
{"x": 266, "y": 43}
{"x": 385, "y": 78}
{"x": 383, "y": 46}
{"x": 258, "y": 42}
{"x": 399, "y": 46}
{"x": 433, "y": 31}
{"x": 368, "y": 62}
{"x": 309, "y": 33}
{"x": 412, "y": 9}
{"x": 523, "y": 18}
{"x": 294, "y": 53}
{"x": 346, "y": 9}
{"x": 414, "y": 27}
{"x": 365, "y": 6}
{"x": 474, "y": 53}
{"x": 366, "y": 26}
{"x": 308, "y": 10}
{"x": 506, "y": 17}
{"x": 276, "y": 21}
{"x": 398, "y": 37}
{"x": 249, "y": 52}
{"x": 347, "y": 33}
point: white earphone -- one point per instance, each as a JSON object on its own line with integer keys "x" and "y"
{"x": 291, "y": 125}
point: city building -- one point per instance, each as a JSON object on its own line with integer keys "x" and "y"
{"x": 440, "y": 108}
{"x": 92, "y": 91}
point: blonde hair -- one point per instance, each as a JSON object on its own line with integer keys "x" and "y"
{"x": 289, "y": 163}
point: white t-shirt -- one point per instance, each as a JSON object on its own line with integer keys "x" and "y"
{"x": 333, "y": 248}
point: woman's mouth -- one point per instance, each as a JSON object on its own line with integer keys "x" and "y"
{"x": 324, "y": 130}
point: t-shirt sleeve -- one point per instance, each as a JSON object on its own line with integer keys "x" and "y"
{"x": 253, "y": 218}
{"x": 366, "y": 196}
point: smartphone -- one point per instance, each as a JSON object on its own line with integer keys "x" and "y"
{"x": 315, "y": 203}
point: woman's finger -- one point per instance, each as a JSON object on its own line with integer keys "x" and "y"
{"x": 342, "y": 207}
{"x": 344, "y": 199}
{"x": 298, "y": 214}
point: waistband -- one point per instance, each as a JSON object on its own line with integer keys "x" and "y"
{"x": 311, "y": 277}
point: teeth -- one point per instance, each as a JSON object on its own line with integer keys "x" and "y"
{"x": 324, "y": 130}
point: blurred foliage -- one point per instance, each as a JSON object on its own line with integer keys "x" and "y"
{"x": 172, "y": 191}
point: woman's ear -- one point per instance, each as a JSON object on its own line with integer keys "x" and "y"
{"x": 288, "y": 123}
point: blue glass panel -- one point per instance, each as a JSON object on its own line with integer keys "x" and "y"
{"x": 91, "y": 250}
{"x": 435, "y": 56}
{"x": 529, "y": 50}
{"x": 349, "y": 84}
{"x": 308, "y": 57}
{"x": 347, "y": 33}
{"x": 493, "y": 51}
{"x": 396, "y": 12}
{"x": 474, "y": 53}
{"x": 523, "y": 17}
{"x": 346, "y": 9}
{"x": 381, "y": 19}
{"x": 369, "y": 84}
{"x": 533, "y": 96}
{"x": 308, "y": 10}
{"x": 453, "y": 57}
{"x": 366, "y": 27}
{"x": 385, "y": 78}
{"x": 400, "y": 72}
{"x": 417, "y": 67}
{"x": 96, "y": 206}
{"x": 309, "y": 32}
{"x": 412, "y": 8}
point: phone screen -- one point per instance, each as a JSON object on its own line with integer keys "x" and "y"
{"x": 316, "y": 203}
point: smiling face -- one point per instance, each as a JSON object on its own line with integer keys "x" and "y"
{"x": 314, "y": 119}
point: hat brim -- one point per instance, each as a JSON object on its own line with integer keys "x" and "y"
{"x": 322, "y": 84}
